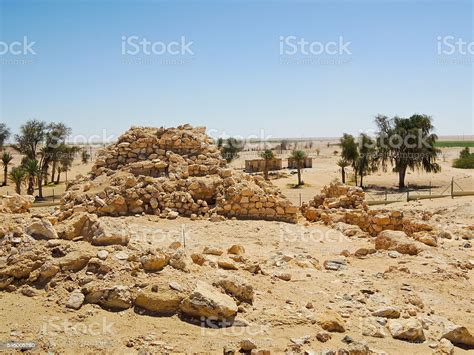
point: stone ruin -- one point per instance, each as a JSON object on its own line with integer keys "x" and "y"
{"x": 170, "y": 172}
{"x": 16, "y": 203}
{"x": 340, "y": 205}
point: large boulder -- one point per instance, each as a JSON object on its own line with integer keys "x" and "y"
{"x": 41, "y": 229}
{"x": 111, "y": 232}
{"x": 78, "y": 225}
{"x": 109, "y": 297}
{"x": 159, "y": 299}
{"x": 206, "y": 301}
{"x": 398, "y": 241}
{"x": 74, "y": 261}
{"x": 331, "y": 321}
{"x": 154, "y": 261}
{"x": 409, "y": 330}
{"x": 237, "y": 287}
{"x": 458, "y": 335}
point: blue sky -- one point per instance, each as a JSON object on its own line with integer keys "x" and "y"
{"x": 237, "y": 82}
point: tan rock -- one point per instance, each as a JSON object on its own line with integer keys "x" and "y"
{"x": 409, "y": 330}
{"x": 206, "y": 301}
{"x": 331, "y": 321}
{"x": 237, "y": 287}
{"x": 158, "y": 299}
{"x": 398, "y": 241}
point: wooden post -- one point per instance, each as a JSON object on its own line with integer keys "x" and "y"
{"x": 385, "y": 195}
{"x": 408, "y": 193}
{"x": 53, "y": 194}
{"x": 430, "y": 189}
{"x": 452, "y": 187}
{"x": 300, "y": 199}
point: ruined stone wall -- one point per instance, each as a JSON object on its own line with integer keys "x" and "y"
{"x": 342, "y": 203}
{"x": 171, "y": 172}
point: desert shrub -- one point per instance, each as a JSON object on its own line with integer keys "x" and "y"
{"x": 467, "y": 162}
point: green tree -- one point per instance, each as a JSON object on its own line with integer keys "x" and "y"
{"x": 299, "y": 157}
{"x": 343, "y": 164}
{"x": 54, "y": 143}
{"x": 267, "y": 155}
{"x": 17, "y": 176}
{"x": 85, "y": 156}
{"x": 367, "y": 161}
{"x": 350, "y": 152}
{"x": 32, "y": 134}
{"x": 32, "y": 170}
{"x": 230, "y": 148}
{"x": 464, "y": 153}
{"x": 6, "y": 160}
{"x": 4, "y": 134}
{"x": 408, "y": 144}
{"x": 66, "y": 160}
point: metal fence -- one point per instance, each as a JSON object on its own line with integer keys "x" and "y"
{"x": 457, "y": 187}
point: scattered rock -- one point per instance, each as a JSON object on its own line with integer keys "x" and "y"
{"x": 387, "y": 312}
{"x": 75, "y": 300}
{"x": 323, "y": 336}
{"x": 102, "y": 254}
{"x": 213, "y": 251}
{"x": 398, "y": 241}
{"x": 41, "y": 229}
{"x": 161, "y": 300}
{"x": 458, "y": 335}
{"x": 237, "y": 287}
{"x": 409, "y": 330}
{"x": 206, "y": 301}
{"x": 236, "y": 249}
{"x": 247, "y": 345}
{"x": 331, "y": 321}
{"x": 335, "y": 264}
{"x": 154, "y": 262}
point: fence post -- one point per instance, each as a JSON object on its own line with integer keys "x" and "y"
{"x": 300, "y": 199}
{"x": 53, "y": 195}
{"x": 430, "y": 189}
{"x": 385, "y": 195}
{"x": 452, "y": 187}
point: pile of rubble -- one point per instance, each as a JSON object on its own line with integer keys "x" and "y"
{"x": 341, "y": 204}
{"x": 93, "y": 260}
{"x": 171, "y": 172}
{"x": 16, "y": 203}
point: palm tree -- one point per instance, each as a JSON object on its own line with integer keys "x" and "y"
{"x": 17, "y": 176}
{"x": 32, "y": 170}
{"x": 85, "y": 156}
{"x": 6, "y": 160}
{"x": 268, "y": 156}
{"x": 66, "y": 159}
{"x": 350, "y": 151}
{"x": 342, "y": 163}
{"x": 299, "y": 157}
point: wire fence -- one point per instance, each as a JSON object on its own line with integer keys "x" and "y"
{"x": 456, "y": 188}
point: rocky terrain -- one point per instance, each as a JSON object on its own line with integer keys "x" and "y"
{"x": 163, "y": 248}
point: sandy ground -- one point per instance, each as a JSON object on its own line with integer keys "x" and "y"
{"x": 278, "y": 313}
{"x": 281, "y": 309}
